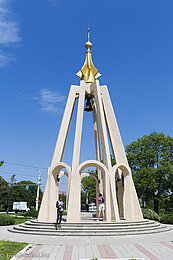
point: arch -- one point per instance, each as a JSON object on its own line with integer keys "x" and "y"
{"x": 62, "y": 173}
{"x": 124, "y": 178}
{"x": 91, "y": 163}
{"x": 57, "y": 171}
{"x": 123, "y": 167}
{"x": 88, "y": 174}
{"x": 59, "y": 166}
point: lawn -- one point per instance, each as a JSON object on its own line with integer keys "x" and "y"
{"x": 8, "y": 249}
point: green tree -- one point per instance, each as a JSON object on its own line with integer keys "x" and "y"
{"x": 11, "y": 191}
{"x": 151, "y": 161}
{"x": 20, "y": 193}
{"x": 1, "y": 163}
{"x": 89, "y": 186}
{"x": 4, "y": 187}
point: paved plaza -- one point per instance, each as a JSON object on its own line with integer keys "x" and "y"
{"x": 155, "y": 246}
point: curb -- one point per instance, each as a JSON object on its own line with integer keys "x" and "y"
{"x": 20, "y": 253}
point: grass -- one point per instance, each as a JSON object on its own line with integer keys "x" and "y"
{"x": 8, "y": 249}
{"x": 21, "y": 220}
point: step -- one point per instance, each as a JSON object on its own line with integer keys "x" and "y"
{"x": 87, "y": 232}
{"x": 91, "y": 229}
{"x": 62, "y": 233}
{"x": 89, "y": 224}
{"x": 122, "y": 222}
{"x": 98, "y": 227}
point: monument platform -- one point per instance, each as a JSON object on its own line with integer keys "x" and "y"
{"x": 91, "y": 227}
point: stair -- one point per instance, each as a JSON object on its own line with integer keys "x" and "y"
{"x": 146, "y": 226}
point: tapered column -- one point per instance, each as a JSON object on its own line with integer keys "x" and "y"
{"x": 65, "y": 125}
{"x": 132, "y": 212}
{"x": 120, "y": 198}
{"x": 114, "y": 134}
{"x": 109, "y": 187}
{"x": 97, "y": 197}
{"x": 97, "y": 148}
{"x": 73, "y": 214}
{"x": 47, "y": 210}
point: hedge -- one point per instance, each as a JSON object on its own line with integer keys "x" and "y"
{"x": 6, "y": 220}
{"x": 167, "y": 219}
{"x": 31, "y": 213}
{"x": 150, "y": 214}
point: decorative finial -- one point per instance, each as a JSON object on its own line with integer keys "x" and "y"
{"x": 88, "y": 72}
{"x": 88, "y": 34}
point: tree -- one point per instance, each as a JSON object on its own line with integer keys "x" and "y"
{"x": 151, "y": 161}
{"x": 11, "y": 192}
{"x": 21, "y": 192}
{"x": 1, "y": 163}
{"x": 4, "y": 187}
{"x": 89, "y": 186}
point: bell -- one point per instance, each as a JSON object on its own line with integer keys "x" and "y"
{"x": 88, "y": 106}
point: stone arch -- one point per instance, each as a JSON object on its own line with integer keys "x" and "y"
{"x": 62, "y": 173}
{"x": 99, "y": 165}
{"x": 125, "y": 184}
{"x": 91, "y": 163}
{"x": 59, "y": 166}
{"x": 89, "y": 174}
{"x": 123, "y": 167}
{"x": 57, "y": 171}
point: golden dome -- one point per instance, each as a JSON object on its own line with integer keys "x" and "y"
{"x": 88, "y": 72}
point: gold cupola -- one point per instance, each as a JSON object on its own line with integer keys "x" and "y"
{"x": 88, "y": 72}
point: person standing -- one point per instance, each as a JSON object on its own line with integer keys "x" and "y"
{"x": 60, "y": 207}
{"x": 101, "y": 207}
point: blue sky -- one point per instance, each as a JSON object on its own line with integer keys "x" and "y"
{"x": 42, "y": 48}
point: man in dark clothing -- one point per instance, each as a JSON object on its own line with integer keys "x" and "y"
{"x": 59, "y": 206}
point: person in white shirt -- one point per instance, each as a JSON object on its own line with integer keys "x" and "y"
{"x": 101, "y": 207}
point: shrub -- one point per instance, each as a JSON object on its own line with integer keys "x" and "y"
{"x": 167, "y": 219}
{"x": 31, "y": 213}
{"x": 6, "y": 220}
{"x": 150, "y": 214}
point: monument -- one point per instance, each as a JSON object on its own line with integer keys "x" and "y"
{"x": 105, "y": 128}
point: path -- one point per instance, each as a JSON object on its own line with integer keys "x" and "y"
{"x": 154, "y": 247}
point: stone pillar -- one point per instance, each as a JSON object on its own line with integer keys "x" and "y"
{"x": 97, "y": 147}
{"x": 97, "y": 197}
{"x": 109, "y": 189}
{"x": 131, "y": 206}
{"x": 120, "y": 198}
{"x": 73, "y": 214}
{"x": 47, "y": 212}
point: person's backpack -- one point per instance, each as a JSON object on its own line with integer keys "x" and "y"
{"x": 103, "y": 200}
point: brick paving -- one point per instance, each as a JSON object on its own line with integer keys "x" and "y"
{"x": 147, "y": 251}
{"x": 148, "y": 247}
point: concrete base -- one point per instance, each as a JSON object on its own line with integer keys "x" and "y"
{"x": 91, "y": 228}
